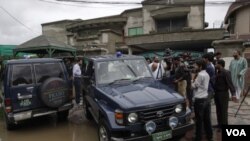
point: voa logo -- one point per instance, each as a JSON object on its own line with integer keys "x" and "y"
{"x": 236, "y": 132}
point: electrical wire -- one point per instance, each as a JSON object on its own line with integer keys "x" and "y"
{"x": 85, "y": 6}
{"x": 18, "y": 21}
{"x": 150, "y": 3}
{"x": 100, "y": 2}
{"x": 86, "y": 2}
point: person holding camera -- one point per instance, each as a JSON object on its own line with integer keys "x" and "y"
{"x": 180, "y": 78}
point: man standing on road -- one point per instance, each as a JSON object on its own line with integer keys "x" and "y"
{"x": 223, "y": 83}
{"x": 238, "y": 68}
{"x": 77, "y": 74}
{"x": 180, "y": 78}
{"x": 208, "y": 58}
{"x": 201, "y": 102}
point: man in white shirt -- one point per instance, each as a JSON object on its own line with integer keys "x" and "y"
{"x": 201, "y": 102}
{"x": 77, "y": 74}
{"x": 157, "y": 68}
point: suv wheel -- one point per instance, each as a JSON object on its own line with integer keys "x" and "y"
{"x": 87, "y": 112}
{"x": 8, "y": 124}
{"x": 103, "y": 132}
{"x": 54, "y": 92}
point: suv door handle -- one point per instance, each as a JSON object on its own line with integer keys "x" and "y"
{"x": 30, "y": 89}
{"x": 21, "y": 97}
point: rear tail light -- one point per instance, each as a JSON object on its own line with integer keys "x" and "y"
{"x": 7, "y": 103}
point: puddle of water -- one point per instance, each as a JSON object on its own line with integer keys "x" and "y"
{"x": 45, "y": 129}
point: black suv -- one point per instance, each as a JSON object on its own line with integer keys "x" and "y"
{"x": 125, "y": 100}
{"x": 33, "y": 88}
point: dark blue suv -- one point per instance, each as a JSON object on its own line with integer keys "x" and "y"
{"x": 33, "y": 88}
{"x": 122, "y": 96}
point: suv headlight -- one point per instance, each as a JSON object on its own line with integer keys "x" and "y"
{"x": 178, "y": 108}
{"x": 132, "y": 117}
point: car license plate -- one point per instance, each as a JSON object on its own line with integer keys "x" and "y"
{"x": 162, "y": 135}
{"x": 25, "y": 102}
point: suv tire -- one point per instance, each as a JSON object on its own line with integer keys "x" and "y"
{"x": 9, "y": 126}
{"x": 103, "y": 131}
{"x": 54, "y": 92}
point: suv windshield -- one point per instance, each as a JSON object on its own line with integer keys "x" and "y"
{"x": 111, "y": 71}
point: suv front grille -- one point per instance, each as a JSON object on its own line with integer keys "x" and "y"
{"x": 156, "y": 113}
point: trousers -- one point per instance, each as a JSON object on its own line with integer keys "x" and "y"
{"x": 221, "y": 103}
{"x": 202, "y": 110}
{"x": 77, "y": 83}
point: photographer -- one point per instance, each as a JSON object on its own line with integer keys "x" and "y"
{"x": 180, "y": 78}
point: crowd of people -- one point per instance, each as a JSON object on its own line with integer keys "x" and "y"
{"x": 207, "y": 81}
{"x": 199, "y": 82}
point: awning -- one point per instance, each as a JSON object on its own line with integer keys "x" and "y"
{"x": 43, "y": 45}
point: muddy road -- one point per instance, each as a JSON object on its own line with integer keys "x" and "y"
{"x": 46, "y": 129}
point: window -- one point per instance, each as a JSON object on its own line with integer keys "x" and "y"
{"x": 171, "y": 25}
{"x": 110, "y": 71}
{"x": 232, "y": 24}
{"x": 21, "y": 75}
{"x": 48, "y": 70}
{"x": 135, "y": 31}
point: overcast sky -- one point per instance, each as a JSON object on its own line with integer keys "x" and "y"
{"x": 20, "y": 20}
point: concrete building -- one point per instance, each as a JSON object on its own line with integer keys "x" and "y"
{"x": 157, "y": 25}
{"x": 175, "y": 24}
{"x": 97, "y": 35}
{"x": 57, "y": 29}
{"x": 237, "y": 24}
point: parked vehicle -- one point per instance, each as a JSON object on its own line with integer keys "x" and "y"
{"x": 122, "y": 96}
{"x": 33, "y": 88}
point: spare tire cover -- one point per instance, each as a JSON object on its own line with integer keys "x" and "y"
{"x": 54, "y": 92}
